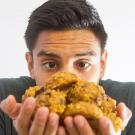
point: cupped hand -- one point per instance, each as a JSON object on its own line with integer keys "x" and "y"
{"x": 47, "y": 124}
{"x": 78, "y": 125}
{"x": 43, "y": 123}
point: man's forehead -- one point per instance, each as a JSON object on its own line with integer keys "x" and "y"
{"x": 73, "y": 42}
{"x": 66, "y": 37}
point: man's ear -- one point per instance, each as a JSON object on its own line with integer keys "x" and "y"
{"x": 103, "y": 62}
{"x": 29, "y": 59}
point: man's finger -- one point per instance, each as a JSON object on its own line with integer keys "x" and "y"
{"x": 61, "y": 131}
{"x": 124, "y": 113}
{"x": 22, "y": 123}
{"x": 10, "y": 107}
{"x": 72, "y": 130}
{"x": 83, "y": 126}
{"x": 8, "y": 104}
{"x": 39, "y": 122}
{"x": 52, "y": 124}
{"x": 106, "y": 127}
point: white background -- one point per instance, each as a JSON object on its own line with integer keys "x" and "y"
{"x": 118, "y": 17}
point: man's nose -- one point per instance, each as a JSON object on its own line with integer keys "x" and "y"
{"x": 68, "y": 68}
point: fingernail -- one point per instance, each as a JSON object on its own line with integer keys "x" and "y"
{"x": 124, "y": 113}
{"x": 79, "y": 120}
{"x": 3, "y": 105}
{"x": 4, "y": 102}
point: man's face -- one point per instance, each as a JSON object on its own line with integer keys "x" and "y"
{"x": 75, "y": 51}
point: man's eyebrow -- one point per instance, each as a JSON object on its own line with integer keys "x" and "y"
{"x": 47, "y": 53}
{"x": 90, "y": 53}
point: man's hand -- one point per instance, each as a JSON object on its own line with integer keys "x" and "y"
{"x": 47, "y": 124}
{"x": 79, "y": 125}
{"x": 22, "y": 115}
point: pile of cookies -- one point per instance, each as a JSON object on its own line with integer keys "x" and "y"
{"x": 68, "y": 95}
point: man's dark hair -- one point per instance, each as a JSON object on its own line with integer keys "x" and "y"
{"x": 64, "y": 15}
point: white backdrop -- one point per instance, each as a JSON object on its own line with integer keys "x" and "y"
{"x": 118, "y": 18}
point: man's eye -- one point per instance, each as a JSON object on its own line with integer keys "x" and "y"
{"x": 50, "y": 65}
{"x": 83, "y": 65}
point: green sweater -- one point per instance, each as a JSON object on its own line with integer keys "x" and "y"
{"x": 121, "y": 91}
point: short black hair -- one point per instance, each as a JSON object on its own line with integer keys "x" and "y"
{"x": 64, "y": 15}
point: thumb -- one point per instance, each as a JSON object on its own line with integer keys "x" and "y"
{"x": 124, "y": 113}
{"x": 10, "y": 107}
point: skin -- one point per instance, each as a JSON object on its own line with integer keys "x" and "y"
{"x": 66, "y": 52}
{"x": 75, "y": 51}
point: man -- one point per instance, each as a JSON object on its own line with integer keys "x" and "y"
{"x": 62, "y": 35}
